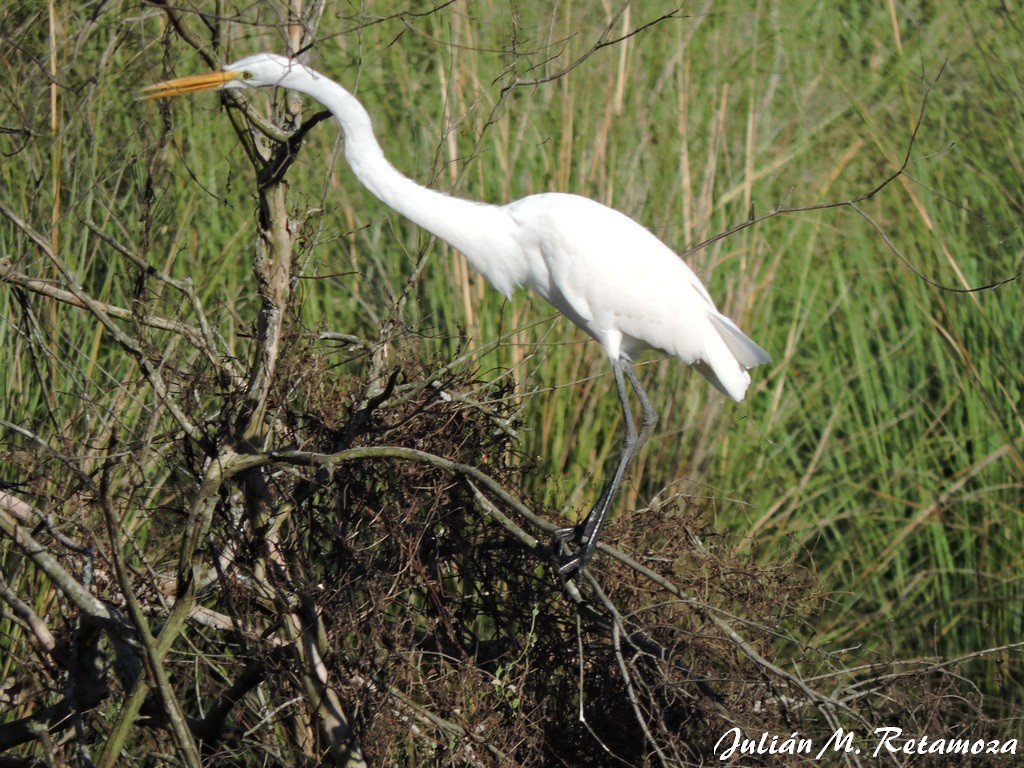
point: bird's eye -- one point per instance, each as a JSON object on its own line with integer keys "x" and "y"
{"x": 247, "y": 75}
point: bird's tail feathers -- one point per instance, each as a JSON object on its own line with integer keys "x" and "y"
{"x": 734, "y": 385}
{"x": 725, "y": 360}
{"x": 747, "y": 352}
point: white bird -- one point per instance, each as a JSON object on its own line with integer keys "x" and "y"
{"x": 605, "y": 272}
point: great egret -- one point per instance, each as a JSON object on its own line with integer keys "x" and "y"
{"x": 608, "y": 274}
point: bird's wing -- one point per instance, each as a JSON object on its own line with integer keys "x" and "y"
{"x": 621, "y": 284}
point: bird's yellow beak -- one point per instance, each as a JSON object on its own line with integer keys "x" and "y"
{"x": 191, "y": 84}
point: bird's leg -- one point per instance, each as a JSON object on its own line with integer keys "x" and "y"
{"x": 588, "y": 531}
{"x": 648, "y": 413}
{"x": 584, "y": 531}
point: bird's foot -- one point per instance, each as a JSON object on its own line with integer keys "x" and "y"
{"x": 569, "y": 560}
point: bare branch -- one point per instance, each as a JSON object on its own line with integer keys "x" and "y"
{"x": 99, "y": 611}
{"x": 129, "y": 344}
{"x": 24, "y": 611}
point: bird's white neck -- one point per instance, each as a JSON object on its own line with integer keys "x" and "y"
{"x": 475, "y": 229}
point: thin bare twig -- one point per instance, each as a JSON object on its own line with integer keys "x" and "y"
{"x": 853, "y": 204}
{"x": 129, "y": 344}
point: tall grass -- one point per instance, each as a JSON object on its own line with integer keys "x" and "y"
{"x": 882, "y": 449}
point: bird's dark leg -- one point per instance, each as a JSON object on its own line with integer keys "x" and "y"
{"x": 589, "y": 530}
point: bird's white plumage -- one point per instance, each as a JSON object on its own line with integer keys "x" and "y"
{"x": 605, "y": 272}
{"x": 608, "y": 274}
{"x": 627, "y": 289}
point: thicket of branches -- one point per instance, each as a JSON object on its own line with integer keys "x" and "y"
{"x": 310, "y": 548}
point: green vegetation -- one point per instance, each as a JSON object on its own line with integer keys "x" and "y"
{"x": 879, "y": 458}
